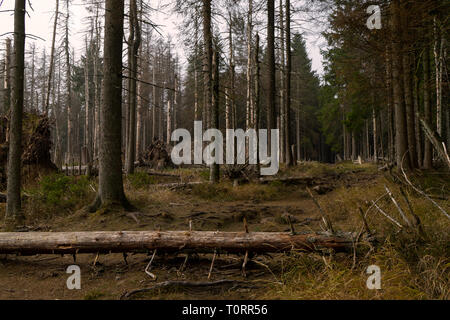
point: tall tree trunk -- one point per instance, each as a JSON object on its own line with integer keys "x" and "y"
{"x": 390, "y": 102}
{"x": 249, "y": 102}
{"x": 288, "y": 152}
{"x": 282, "y": 108}
{"x": 110, "y": 164}
{"x": 134, "y": 43}
{"x": 208, "y": 52}
{"x": 215, "y": 169}
{"x": 231, "y": 92}
{"x": 257, "y": 95}
{"x": 14, "y": 212}
{"x": 197, "y": 114}
{"x": 438, "y": 59}
{"x": 7, "y": 82}
{"x": 70, "y": 139}
{"x": 154, "y": 100}
{"x": 87, "y": 124}
{"x": 410, "y": 118}
{"x": 271, "y": 114}
{"x": 33, "y": 78}
{"x": 169, "y": 121}
{"x": 417, "y": 123}
{"x": 399, "y": 103}
{"x": 408, "y": 85}
{"x": 428, "y": 152}
{"x": 52, "y": 58}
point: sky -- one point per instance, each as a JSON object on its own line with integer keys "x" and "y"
{"x": 39, "y": 23}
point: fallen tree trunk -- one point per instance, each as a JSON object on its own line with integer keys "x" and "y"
{"x": 166, "y": 241}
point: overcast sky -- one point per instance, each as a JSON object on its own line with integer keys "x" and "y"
{"x": 40, "y": 24}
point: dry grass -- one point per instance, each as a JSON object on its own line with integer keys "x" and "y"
{"x": 411, "y": 268}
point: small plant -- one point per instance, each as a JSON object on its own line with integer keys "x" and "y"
{"x": 57, "y": 192}
{"x": 140, "y": 180}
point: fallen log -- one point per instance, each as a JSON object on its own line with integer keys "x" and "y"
{"x": 166, "y": 241}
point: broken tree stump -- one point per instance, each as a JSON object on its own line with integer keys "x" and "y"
{"x": 167, "y": 241}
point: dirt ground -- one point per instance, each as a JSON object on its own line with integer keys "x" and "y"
{"x": 265, "y": 207}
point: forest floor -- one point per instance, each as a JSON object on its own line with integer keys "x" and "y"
{"x": 411, "y": 268}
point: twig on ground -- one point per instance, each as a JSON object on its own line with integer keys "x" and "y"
{"x": 387, "y": 216}
{"x": 400, "y": 210}
{"x": 422, "y": 192}
{"x": 190, "y": 284}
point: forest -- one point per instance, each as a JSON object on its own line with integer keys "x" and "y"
{"x": 90, "y": 130}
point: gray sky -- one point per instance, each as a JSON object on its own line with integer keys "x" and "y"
{"x": 40, "y": 23}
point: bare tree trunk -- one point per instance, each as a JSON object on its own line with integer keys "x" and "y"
{"x": 438, "y": 58}
{"x": 87, "y": 125}
{"x": 399, "y": 103}
{"x": 154, "y": 100}
{"x": 229, "y": 92}
{"x": 110, "y": 164}
{"x": 197, "y": 114}
{"x": 289, "y": 155}
{"x": 215, "y": 169}
{"x": 134, "y": 43}
{"x": 417, "y": 123}
{"x": 70, "y": 139}
{"x": 7, "y": 84}
{"x": 271, "y": 114}
{"x": 52, "y": 58}
{"x": 169, "y": 121}
{"x": 208, "y": 52}
{"x": 389, "y": 98}
{"x": 33, "y": 78}
{"x": 249, "y": 102}
{"x": 257, "y": 96}
{"x": 14, "y": 212}
{"x": 428, "y": 154}
{"x": 282, "y": 108}
{"x": 410, "y": 118}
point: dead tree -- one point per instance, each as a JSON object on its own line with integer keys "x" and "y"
{"x": 30, "y": 243}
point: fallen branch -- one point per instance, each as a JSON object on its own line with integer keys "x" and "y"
{"x": 421, "y": 192}
{"x": 325, "y": 218}
{"x": 189, "y": 284}
{"x": 386, "y": 215}
{"x": 400, "y": 210}
{"x": 30, "y": 243}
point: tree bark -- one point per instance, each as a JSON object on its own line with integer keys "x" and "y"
{"x": 271, "y": 110}
{"x": 428, "y": 152}
{"x": 249, "y": 102}
{"x": 134, "y": 43}
{"x": 399, "y": 103}
{"x": 14, "y": 214}
{"x": 7, "y": 82}
{"x": 70, "y": 126}
{"x": 288, "y": 153}
{"x": 215, "y": 169}
{"x": 110, "y": 161}
{"x": 52, "y": 58}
